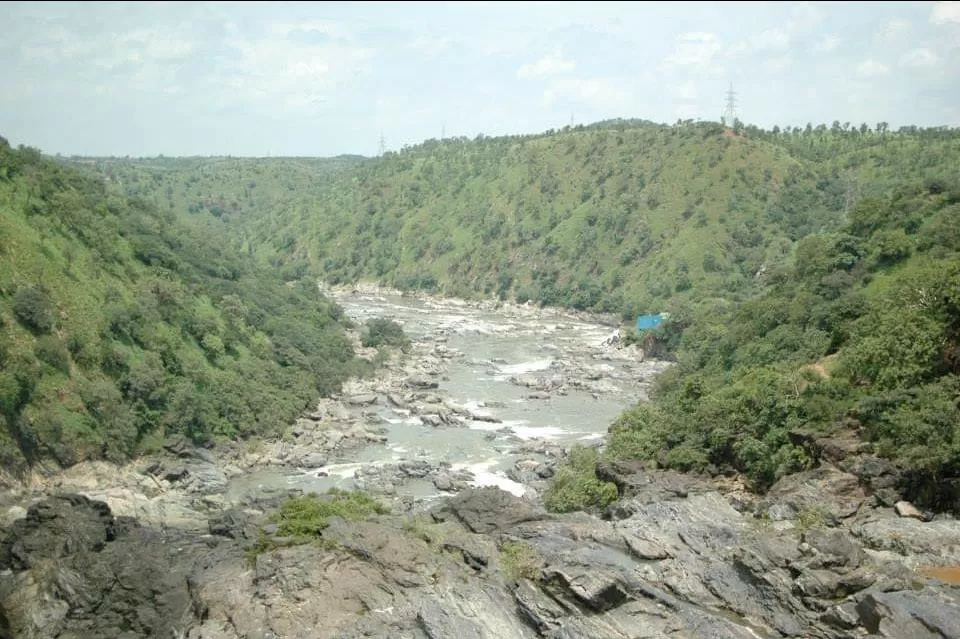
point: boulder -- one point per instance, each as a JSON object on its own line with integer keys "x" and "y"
{"x": 489, "y": 509}
{"x": 420, "y": 382}
{"x": 365, "y": 399}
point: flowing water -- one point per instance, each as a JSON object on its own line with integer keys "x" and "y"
{"x": 492, "y": 347}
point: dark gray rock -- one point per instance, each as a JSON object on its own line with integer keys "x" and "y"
{"x": 835, "y": 548}
{"x": 485, "y": 510}
{"x": 420, "y": 382}
{"x": 931, "y": 613}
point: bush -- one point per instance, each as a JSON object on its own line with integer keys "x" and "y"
{"x": 33, "y": 308}
{"x": 575, "y": 485}
{"x": 519, "y": 560}
{"x": 384, "y": 332}
{"x": 52, "y": 351}
{"x": 304, "y": 518}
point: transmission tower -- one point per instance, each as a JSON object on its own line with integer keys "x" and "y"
{"x": 382, "y": 147}
{"x": 730, "y": 112}
{"x": 443, "y": 131}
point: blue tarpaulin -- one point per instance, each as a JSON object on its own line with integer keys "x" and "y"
{"x": 647, "y": 322}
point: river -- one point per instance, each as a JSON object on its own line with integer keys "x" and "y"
{"x": 488, "y": 349}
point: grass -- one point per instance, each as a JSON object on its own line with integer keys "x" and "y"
{"x": 302, "y": 520}
{"x": 520, "y": 560}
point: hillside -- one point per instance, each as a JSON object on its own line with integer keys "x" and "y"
{"x": 857, "y": 338}
{"x": 812, "y": 275}
{"x": 223, "y": 196}
{"x": 622, "y": 216}
{"x": 119, "y": 325}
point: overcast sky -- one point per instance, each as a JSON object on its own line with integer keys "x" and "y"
{"x": 326, "y": 78}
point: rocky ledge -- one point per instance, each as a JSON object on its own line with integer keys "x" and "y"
{"x": 680, "y": 557}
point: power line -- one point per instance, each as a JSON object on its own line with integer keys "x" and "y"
{"x": 730, "y": 113}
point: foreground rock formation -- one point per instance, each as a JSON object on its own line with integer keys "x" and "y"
{"x": 678, "y": 558}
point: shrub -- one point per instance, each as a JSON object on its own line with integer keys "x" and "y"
{"x": 52, "y": 351}
{"x": 575, "y": 485}
{"x": 519, "y": 560}
{"x": 380, "y": 331}
{"x": 33, "y": 308}
{"x": 304, "y": 518}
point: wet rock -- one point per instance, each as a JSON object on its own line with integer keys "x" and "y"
{"x": 545, "y": 471}
{"x": 485, "y": 510}
{"x": 365, "y": 399}
{"x": 932, "y": 613}
{"x": 396, "y": 400}
{"x": 538, "y": 395}
{"x": 313, "y": 460}
{"x": 431, "y": 420}
{"x": 421, "y": 382}
{"x": 906, "y": 509}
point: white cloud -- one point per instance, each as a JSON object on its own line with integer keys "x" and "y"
{"x": 777, "y": 64}
{"x": 695, "y": 49}
{"x": 945, "y": 12}
{"x": 827, "y": 43}
{"x": 431, "y": 46}
{"x": 686, "y": 91}
{"x": 803, "y": 17}
{"x": 280, "y": 73}
{"x": 552, "y": 64}
{"x": 891, "y": 31}
{"x": 594, "y": 92}
{"x": 771, "y": 39}
{"x": 871, "y": 68}
{"x": 922, "y": 58}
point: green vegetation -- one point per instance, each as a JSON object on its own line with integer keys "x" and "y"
{"x": 120, "y": 324}
{"x": 811, "y": 274}
{"x": 379, "y": 332}
{"x": 621, "y": 217}
{"x": 304, "y": 518}
{"x": 576, "y": 487}
{"x": 861, "y": 330}
{"x": 519, "y": 560}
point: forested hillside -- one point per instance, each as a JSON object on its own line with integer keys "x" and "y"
{"x": 812, "y": 275}
{"x": 224, "y": 196}
{"x": 622, "y": 216}
{"x": 119, "y": 324}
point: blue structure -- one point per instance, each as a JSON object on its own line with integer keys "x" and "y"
{"x": 649, "y": 322}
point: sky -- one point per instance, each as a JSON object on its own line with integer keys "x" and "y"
{"x": 325, "y": 78}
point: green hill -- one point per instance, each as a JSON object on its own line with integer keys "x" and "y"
{"x": 119, "y": 324}
{"x": 622, "y": 216}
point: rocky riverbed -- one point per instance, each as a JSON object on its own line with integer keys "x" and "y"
{"x": 457, "y": 438}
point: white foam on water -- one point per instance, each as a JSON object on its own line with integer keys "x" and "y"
{"x": 344, "y": 471}
{"x": 533, "y": 432}
{"x": 526, "y": 367}
{"x": 489, "y": 426}
{"x": 482, "y": 476}
{"x": 591, "y": 437}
